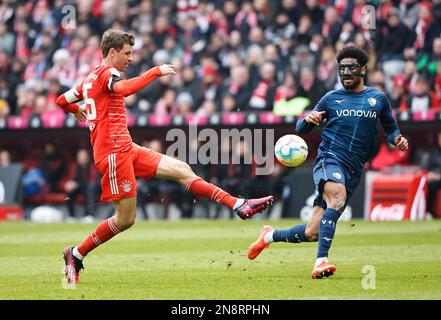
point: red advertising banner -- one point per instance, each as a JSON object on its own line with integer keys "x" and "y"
{"x": 398, "y": 194}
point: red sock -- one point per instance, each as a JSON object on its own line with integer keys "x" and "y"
{"x": 105, "y": 231}
{"x": 202, "y": 188}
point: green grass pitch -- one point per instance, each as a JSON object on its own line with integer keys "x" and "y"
{"x": 206, "y": 260}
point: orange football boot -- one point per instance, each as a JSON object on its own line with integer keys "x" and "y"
{"x": 256, "y": 247}
{"x": 324, "y": 269}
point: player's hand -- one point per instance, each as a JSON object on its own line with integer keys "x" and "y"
{"x": 315, "y": 117}
{"x": 167, "y": 69}
{"x": 401, "y": 143}
{"x": 81, "y": 114}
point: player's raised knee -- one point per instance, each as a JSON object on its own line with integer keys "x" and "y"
{"x": 337, "y": 202}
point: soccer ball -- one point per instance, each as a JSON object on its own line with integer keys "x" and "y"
{"x": 291, "y": 150}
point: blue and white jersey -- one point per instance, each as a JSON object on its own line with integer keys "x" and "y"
{"x": 350, "y": 132}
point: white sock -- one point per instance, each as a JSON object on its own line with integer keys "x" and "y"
{"x": 319, "y": 261}
{"x": 238, "y": 203}
{"x": 77, "y": 254}
{"x": 268, "y": 237}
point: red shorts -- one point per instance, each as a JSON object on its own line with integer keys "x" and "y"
{"x": 120, "y": 170}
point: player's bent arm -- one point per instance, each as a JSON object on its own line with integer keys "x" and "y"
{"x": 133, "y": 85}
{"x": 303, "y": 126}
{"x": 389, "y": 123}
{"x": 392, "y": 136}
{"x": 67, "y": 101}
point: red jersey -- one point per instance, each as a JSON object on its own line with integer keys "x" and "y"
{"x": 106, "y": 113}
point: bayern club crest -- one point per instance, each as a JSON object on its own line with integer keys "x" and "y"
{"x": 127, "y": 186}
{"x": 372, "y": 101}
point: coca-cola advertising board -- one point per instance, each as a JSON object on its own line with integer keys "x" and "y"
{"x": 397, "y": 194}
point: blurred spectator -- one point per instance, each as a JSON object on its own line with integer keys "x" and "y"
{"x": 316, "y": 44}
{"x": 305, "y": 30}
{"x": 256, "y": 37}
{"x": 4, "y": 89}
{"x": 238, "y": 86}
{"x": 4, "y": 63}
{"x": 302, "y": 58}
{"x": 228, "y": 104}
{"x": 428, "y": 63}
{"x": 309, "y": 86}
{"x": 432, "y": 163}
{"x": 399, "y": 96}
{"x": 393, "y": 38}
{"x": 5, "y": 158}
{"x": 315, "y": 11}
{"x": 410, "y": 74}
{"x": 23, "y": 37}
{"x": 287, "y": 89}
{"x": 388, "y": 156}
{"x": 211, "y": 83}
{"x": 82, "y": 185}
{"x": 286, "y": 101}
{"x": 254, "y": 60}
{"x": 35, "y": 70}
{"x": 347, "y": 32}
{"x": 436, "y": 9}
{"x": 271, "y": 54}
{"x": 262, "y": 97}
{"x": 409, "y": 12}
{"x": 292, "y": 8}
{"x": 246, "y": 19}
{"x": 436, "y": 84}
{"x": 234, "y": 46}
{"x": 4, "y": 109}
{"x": 377, "y": 80}
{"x": 167, "y": 105}
{"x": 190, "y": 83}
{"x": 171, "y": 46}
{"x": 64, "y": 69}
{"x": 420, "y": 99}
{"x": 435, "y": 56}
{"x": 207, "y": 109}
{"x": 53, "y": 166}
{"x": 426, "y": 29}
{"x": 33, "y": 182}
{"x": 331, "y": 26}
{"x": 26, "y": 100}
{"x": 281, "y": 28}
{"x": 327, "y": 68}
{"x": 6, "y": 13}
{"x": 185, "y": 103}
{"x": 7, "y": 40}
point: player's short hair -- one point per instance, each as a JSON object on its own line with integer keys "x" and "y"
{"x": 353, "y": 52}
{"x": 116, "y": 39}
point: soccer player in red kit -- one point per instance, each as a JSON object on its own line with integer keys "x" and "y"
{"x": 120, "y": 160}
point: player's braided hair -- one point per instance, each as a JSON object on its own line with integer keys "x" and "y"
{"x": 353, "y": 52}
{"x": 115, "y": 39}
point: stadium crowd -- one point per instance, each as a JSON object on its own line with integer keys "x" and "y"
{"x": 230, "y": 55}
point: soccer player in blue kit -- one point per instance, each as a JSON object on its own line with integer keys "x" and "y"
{"x": 348, "y": 140}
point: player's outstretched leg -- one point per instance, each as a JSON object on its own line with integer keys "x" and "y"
{"x": 175, "y": 169}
